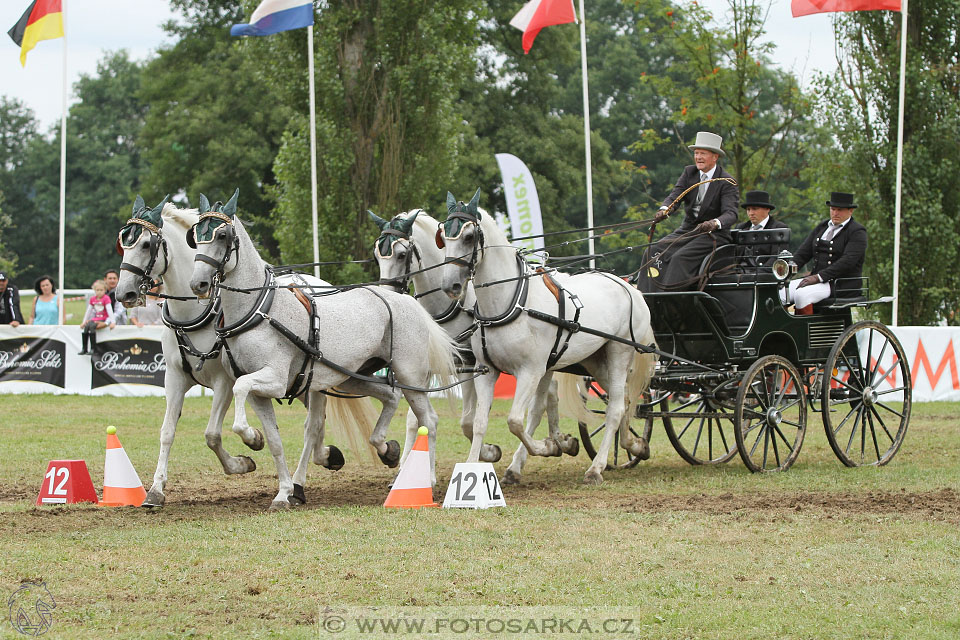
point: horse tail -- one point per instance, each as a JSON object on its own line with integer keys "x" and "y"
{"x": 441, "y": 349}
{"x": 642, "y": 367}
{"x": 573, "y": 399}
{"x": 352, "y": 421}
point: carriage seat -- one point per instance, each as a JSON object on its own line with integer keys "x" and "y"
{"x": 847, "y": 292}
{"x": 737, "y": 260}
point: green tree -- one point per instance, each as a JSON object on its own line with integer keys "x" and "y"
{"x": 387, "y": 75}
{"x": 860, "y": 102}
{"x": 215, "y": 121}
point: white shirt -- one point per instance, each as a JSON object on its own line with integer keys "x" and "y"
{"x": 762, "y": 224}
{"x": 827, "y": 230}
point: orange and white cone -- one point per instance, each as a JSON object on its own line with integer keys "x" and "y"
{"x": 121, "y": 484}
{"x": 411, "y": 489}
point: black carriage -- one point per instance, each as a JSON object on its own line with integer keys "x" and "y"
{"x": 744, "y": 372}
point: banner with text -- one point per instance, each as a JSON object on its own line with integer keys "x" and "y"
{"x": 523, "y": 203}
{"x": 128, "y": 361}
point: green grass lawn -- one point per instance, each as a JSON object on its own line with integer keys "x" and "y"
{"x": 677, "y": 551}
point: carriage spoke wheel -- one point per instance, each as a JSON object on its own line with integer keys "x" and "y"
{"x": 866, "y": 403}
{"x": 702, "y": 438}
{"x": 619, "y": 458}
{"x": 771, "y": 415}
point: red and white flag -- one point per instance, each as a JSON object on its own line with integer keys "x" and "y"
{"x": 808, "y": 7}
{"x": 537, "y": 14}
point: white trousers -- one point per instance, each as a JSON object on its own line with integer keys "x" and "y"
{"x": 807, "y": 295}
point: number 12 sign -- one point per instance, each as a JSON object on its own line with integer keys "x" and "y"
{"x": 474, "y": 485}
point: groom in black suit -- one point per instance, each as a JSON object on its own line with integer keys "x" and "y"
{"x": 710, "y": 211}
{"x": 836, "y": 249}
{"x": 759, "y": 208}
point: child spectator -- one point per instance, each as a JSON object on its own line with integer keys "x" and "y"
{"x": 99, "y": 315}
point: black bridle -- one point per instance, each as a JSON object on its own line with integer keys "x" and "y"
{"x": 232, "y": 241}
{"x": 466, "y": 216}
{"x": 156, "y": 244}
{"x": 402, "y": 283}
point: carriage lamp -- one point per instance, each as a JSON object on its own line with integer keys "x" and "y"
{"x": 784, "y": 267}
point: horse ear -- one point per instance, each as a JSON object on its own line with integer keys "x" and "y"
{"x": 451, "y": 202}
{"x": 377, "y": 220}
{"x": 138, "y": 204}
{"x": 230, "y": 208}
{"x": 158, "y": 210}
{"x": 204, "y": 205}
{"x": 439, "y": 238}
{"x": 474, "y": 201}
{"x": 190, "y": 240}
{"x": 406, "y": 224}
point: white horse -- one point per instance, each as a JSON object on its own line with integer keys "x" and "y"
{"x": 190, "y": 345}
{"x": 512, "y": 339}
{"x": 354, "y": 332}
{"x": 407, "y": 245}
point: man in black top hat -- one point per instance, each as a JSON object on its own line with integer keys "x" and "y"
{"x": 759, "y": 208}
{"x": 836, "y": 247}
{"x": 9, "y": 303}
{"x": 710, "y": 211}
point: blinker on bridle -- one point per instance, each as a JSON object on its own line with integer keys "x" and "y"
{"x": 127, "y": 239}
{"x": 204, "y": 232}
{"x": 389, "y": 237}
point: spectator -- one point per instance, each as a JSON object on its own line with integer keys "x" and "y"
{"x": 46, "y": 306}
{"x": 98, "y": 316}
{"x": 9, "y": 303}
{"x": 149, "y": 313}
{"x": 111, "y": 277}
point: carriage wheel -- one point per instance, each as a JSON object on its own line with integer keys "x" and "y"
{"x": 771, "y": 415}
{"x": 619, "y": 458}
{"x": 700, "y": 439}
{"x": 866, "y": 425}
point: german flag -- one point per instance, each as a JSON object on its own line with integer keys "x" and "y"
{"x": 43, "y": 20}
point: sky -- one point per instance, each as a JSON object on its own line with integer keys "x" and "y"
{"x": 94, "y": 27}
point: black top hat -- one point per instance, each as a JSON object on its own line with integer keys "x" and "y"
{"x": 841, "y": 200}
{"x": 3, "y": 276}
{"x": 757, "y": 199}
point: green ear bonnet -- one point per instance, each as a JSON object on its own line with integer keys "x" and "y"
{"x": 142, "y": 217}
{"x": 459, "y": 213}
{"x": 399, "y": 227}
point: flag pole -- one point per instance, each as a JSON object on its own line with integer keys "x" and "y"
{"x": 63, "y": 163}
{"x": 896, "y": 207}
{"x": 586, "y": 130}
{"x": 313, "y": 152}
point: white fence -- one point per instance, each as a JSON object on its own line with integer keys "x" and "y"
{"x": 129, "y": 362}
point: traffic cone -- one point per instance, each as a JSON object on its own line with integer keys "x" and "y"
{"x": 121, "y": 484}
{"x": 411, "y": 489}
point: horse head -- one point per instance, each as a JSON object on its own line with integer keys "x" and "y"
{"x": 141, "y": 243}
{"x": 216, "y": 241}
{"x": 461, "y": 237}
{"x": 395, "y": 250}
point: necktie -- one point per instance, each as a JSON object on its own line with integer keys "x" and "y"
{"x": 702, "y": 189}
{"x": 756, "y": 227}
{"x": 831, "y": 231}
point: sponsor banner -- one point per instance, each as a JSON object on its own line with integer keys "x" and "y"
{"x": 523, "y": 203}
{"x": 32, "y": 359}
{"x": 137, "y": 361}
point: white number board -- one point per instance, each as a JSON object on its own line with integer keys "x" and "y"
{"x": 473, "y": 485}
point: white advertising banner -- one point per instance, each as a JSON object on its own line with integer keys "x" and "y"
{"x": 523, "y": 203}
{"x": 128, "y": 361}
{"x": 932, "y": 353}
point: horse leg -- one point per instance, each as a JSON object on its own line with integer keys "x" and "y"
{"x": 484, "y": 389}
{"x": 176, "y": 388}
{"x": 611, "y": 377}
{"x": 313, "y": 425}
{"x": 411, "y": 435}
{"x": 527, "y": 387}
{"x": 488, "y": 452}
{"x": 389, "y": 451}
{"x": 420, "y": 404}
{"x": 263, "y": 407}
{"x": 222, "y": 395}
{"x": 569, "y": 443}
{"x": 514, "y": 472}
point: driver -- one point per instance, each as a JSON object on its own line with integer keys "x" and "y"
{"x": 710, "y": 213}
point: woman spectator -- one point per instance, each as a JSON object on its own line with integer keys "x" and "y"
{"x": 46, "y": 306}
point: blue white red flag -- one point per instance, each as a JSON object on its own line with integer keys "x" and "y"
{"x": 274, "y": 16}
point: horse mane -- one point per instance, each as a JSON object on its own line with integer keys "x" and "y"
{"x": 184, "y": 218}
{"x": 493, "y": 234}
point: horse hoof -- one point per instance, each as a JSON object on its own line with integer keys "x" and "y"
{"x": 640, "y": 449}
{"x": 335, "y": 459}
{"x": 509, "y": 477}
{"x": 257, "y": 444}
{"x": 240, "y": 465}
{"x": 154, "y": 499}
{"x": 491, "y": 453}
{"x": 555, "y": 450}
{"x": 392, "y": 457}
{"x": 593, "y": 477}
{"x": 298, "y": 497}
{"x": 573, "y": 446}
{"x": 279, "y": 505}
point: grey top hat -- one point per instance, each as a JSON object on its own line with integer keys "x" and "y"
{"x": 841, "y": 200}
{"x": 757, "y": 199}
{"x": 708, "y": 141}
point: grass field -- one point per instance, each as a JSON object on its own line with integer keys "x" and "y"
{"x": 664, "y": 549}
